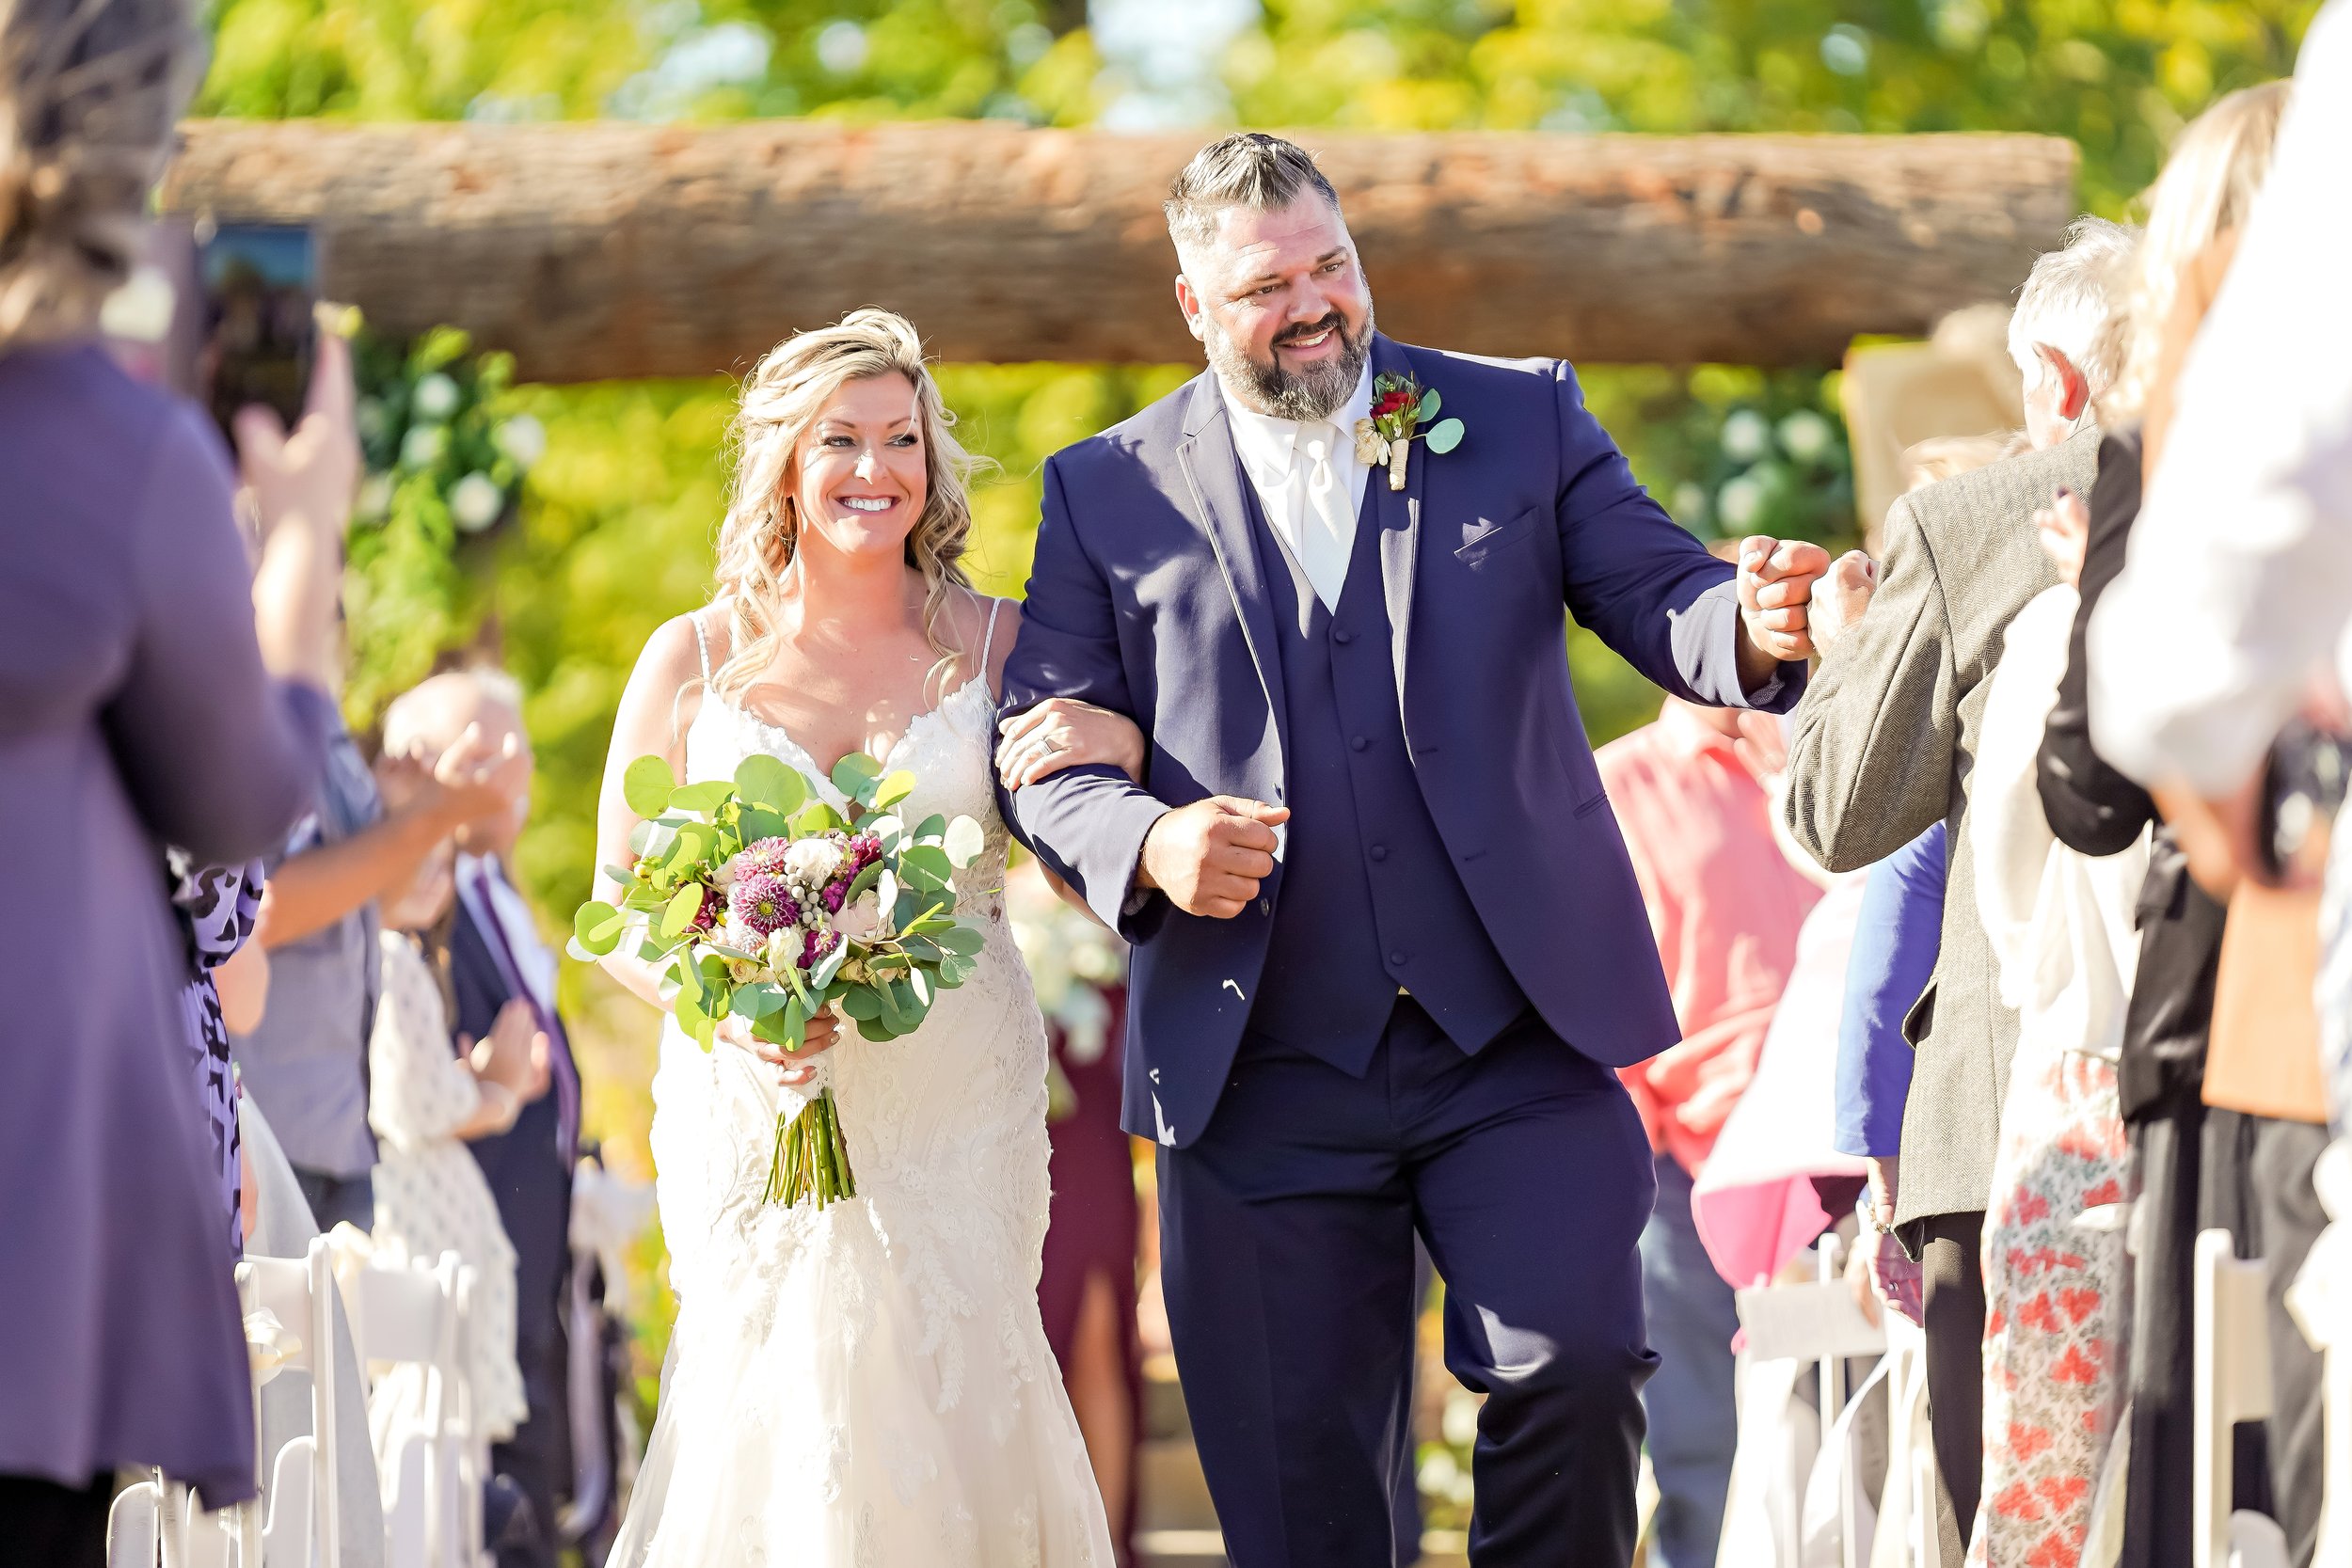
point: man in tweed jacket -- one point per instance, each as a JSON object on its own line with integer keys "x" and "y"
{"x": 1886, "y": 740}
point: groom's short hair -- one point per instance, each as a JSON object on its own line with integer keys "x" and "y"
{"x": 1248, "y": 168}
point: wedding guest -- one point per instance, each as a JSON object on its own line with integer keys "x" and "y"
{"x": 134, "y": 710}
{"x": 2060, "y": 925}
{"x": 428, "y": 1094}
{"x": 1884, "y": 743}
{"x": 2197, "y": 206}
{"x": 1724, "y": 906}
{"x": 497, "y": 961}
{"x": 1898, "y": 932}
{"x": 216, "y": 906}
{"x": 305, "y": 1062}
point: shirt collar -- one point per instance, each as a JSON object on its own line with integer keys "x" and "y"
{"x": 1267, "y": 441}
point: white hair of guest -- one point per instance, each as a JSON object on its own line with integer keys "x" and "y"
{"x": 2068, "y": 302}
{"x": 418, "y": 720}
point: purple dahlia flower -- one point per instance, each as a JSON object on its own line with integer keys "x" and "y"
{"x": 762, "y": 901}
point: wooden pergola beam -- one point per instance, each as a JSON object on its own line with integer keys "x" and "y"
{"x": 622, "y": 250}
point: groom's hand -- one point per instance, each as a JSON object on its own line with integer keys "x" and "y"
{"x": 1777, "y": 578}
{"x": 1209, "y": 857}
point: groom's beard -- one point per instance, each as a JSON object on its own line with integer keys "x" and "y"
{"x": 1316, "y": 392}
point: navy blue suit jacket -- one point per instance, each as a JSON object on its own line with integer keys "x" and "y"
{"x": 1148, "y": 598}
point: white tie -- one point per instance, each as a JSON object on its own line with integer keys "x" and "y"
{"x": 1327, "y": 532}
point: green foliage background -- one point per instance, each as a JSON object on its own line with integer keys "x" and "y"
{"x": 616, "y": 533}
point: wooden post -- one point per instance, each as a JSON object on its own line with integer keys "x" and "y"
{"x": 609, "y": 250}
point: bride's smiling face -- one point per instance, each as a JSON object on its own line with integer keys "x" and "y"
{"x": 859, "y": 474}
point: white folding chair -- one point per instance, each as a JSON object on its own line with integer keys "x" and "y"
{"x": 2233, "y": 1385}
{"x": 2321, "y": 1302}
{"x": 303, "y": 1527}
{"x": 415, "y": 1316}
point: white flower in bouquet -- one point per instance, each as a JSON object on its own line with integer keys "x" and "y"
{"x": 783, "y": 947}
{"x": 475, "y": 502}
{"x": 861, "y": 921}
{"x": 812, "y": 861}
{"x": 434, "y": 397}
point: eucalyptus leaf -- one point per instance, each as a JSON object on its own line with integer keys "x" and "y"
{"x": 1428, "y": 409}
{"x": 964, "y": 842}
{"x": 646, "y": 783}
{"x": 758, "y": 822}
{"x": 814, "y": 818}
{"x": 963, "y": 940}
{"x": 652, "y": 840}
{"x": 955, "y": 971}
{"x": 930, "y": 830}
{"x": 861, "y": 1005}
{"x": 678, "y": 916}
{"x": 707, "y": 1034}
{"x": 597, "y": 927}
{"x": 759, "y": 998}
{"x": 919, "y": 984}
{"x": 893, "y": 788}
{"x": 703, "y": 798}
{"x": 765, "y": 781}
{"x": 688, "y": 979}
{"x": 926, "y": 865}
{"x": 876, "y": 1030}
{"x": 688, "y": 1009}
{"x": 829, "y": 966}
{"x": 855, "y": 776}
{"x": 1445, "y": 434}
{"x": 887, "y": 828}
{"x": 786, "y": 1026}
{"x": 892, "y": 1007}
{"x": 863, "y": 882}
{"x": 697, "y": 844}
{"x": 922, "y": 949}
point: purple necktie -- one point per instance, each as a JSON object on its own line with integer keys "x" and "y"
{"x": 560, "y": 1064}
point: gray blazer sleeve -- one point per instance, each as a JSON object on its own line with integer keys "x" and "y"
{"x": 1870, "y": 762}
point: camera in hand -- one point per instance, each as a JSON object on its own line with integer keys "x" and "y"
{"x": 2304, "y": 783}
{"x": 260, "y": 287}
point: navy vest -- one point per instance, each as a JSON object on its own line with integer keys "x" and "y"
{"x": 1370, "y": 902}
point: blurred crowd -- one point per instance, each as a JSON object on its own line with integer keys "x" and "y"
{"x": 2006, "y": 967}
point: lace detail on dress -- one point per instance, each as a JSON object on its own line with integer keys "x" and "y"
{"x": 869, "y": 1384}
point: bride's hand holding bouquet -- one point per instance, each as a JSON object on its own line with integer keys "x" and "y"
{"x": 768, "y": 915}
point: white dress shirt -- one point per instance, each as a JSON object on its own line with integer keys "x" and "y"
{"x": 1309, "y": 482}
{"x": 495, "y": 905}
{"x": 2238, "y": 579}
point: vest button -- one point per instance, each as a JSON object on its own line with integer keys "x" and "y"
{"x": 1397, "y": 958}
{"x": 1358, "y": 743}
{"x": 1379, "y": 851}
{"x": 1342, "y": 636}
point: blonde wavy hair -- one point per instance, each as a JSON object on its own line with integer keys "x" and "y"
{"x": 89, "y": 92}
{"x": 2208, "y": 185}
{"x": 761, "y": 539}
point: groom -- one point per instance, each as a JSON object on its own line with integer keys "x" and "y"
{"x": 1387, "y": 946}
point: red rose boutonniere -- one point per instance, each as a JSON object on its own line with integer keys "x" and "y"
{"x": 1400, "y": 408}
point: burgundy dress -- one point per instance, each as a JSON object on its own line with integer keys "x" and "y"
{"x": 134, "y": 712}
{"x": 1092, "y": 1226}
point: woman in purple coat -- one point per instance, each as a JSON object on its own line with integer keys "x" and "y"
{"x": 135, "y": 711}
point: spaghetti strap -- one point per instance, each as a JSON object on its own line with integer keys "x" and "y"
{"x": 988, "y": 641}
{"x": 701, "y": 644}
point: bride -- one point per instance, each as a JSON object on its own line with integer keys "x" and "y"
{"x": 867, "y": 1385}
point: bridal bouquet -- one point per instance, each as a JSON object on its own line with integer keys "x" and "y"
{"x": 757, "y": 900}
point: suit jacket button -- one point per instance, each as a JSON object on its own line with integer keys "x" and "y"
{"x": 1397, "y": 958}
{"x": 1358, "y": 743}
{"x": 1379, "y": 851}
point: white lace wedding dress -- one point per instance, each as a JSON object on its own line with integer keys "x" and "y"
{"x": 868, "y": 1387}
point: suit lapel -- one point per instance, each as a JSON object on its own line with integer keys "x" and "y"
{"x": 1397, "y": 514}
{"x": 1213, "y": 475}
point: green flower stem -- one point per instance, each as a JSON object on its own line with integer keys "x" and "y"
{"x": 811, "y": 1158}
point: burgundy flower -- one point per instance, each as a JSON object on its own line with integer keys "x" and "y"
{"x": 816, "y": 945}
{"x": 1391, "y": 403}
{"x": 834, "y": 895}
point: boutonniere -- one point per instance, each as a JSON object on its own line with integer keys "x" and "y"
{"x": 1400, "y": 407}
